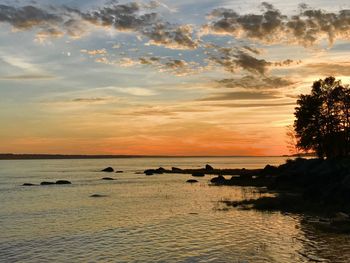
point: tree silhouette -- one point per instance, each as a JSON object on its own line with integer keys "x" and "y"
{"x": 291, "y": 141}
{"x": 323, "y": 119}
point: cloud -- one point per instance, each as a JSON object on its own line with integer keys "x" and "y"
{"x": 27, "y": 17}
{"x": 255, "y": 105}
{"x": 45, "y": 34}
{"x": 326, "y": 69}
{"x": 128, "y": 17}
{"x": 233, "y": 59}
{"x": 241, "y": 95}
{"x": 254, "y": 82}
{"x": 171, "y": 36}
{"x": 177, "y": 67}
{"x": 27, "y": 77}
{"x": 165, "y": 110}
{"x": 306, "y": 28}
{"x": 134, "y": 91}
{"x": 90, "y": 100}
{"x": 94, "y": 52}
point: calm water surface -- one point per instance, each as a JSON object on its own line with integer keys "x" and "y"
{"x": 146, "y": 218}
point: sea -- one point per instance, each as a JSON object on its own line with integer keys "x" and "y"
{"x": 140, "y": 218}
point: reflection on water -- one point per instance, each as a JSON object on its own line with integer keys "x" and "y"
{"x": 323, "y": 246}
{"x": 147, "y": 219}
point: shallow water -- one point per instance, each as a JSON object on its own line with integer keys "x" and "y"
{"x": 142, "y": 218}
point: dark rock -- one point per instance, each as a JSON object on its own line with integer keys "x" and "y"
{"x": 191, "y": 181}
{"x": 218, "y": 180}
{"x": 340, "y": 216}
{"x": 107, "y": 178}
{"x": 176, "y": 170}
{"x": 198, "y": 174}
{"x": 209, "y": 167}
{"x": 118, "y": 172}
{"x": 63, "y": 182}
{"x": 28, "y": 184}
{"x": 346, "y": 182}
{"x": 47, "y": 183}
{"x": 160, "y": 170}
{"x": 149, "y": 172}
{"x": 108, "y": 170}
{"x": 269, "y": 170}
{"x": 98, "y": 195}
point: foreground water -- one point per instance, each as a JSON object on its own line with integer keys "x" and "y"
{"x": 147, "y": 218}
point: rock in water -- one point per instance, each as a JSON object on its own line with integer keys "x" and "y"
{"x": 119, "y": 172}
{"x": 47, "y": 183}
{"x": 340, "y": 216}
{"x": 108, "y": 170}
{"x": 176, "y": 170}
{"x": 159, "y": 170}
{"x": 149, "y": 172}
{"x": 107, "y": 178}
{"x": 198, "y": 174}
{"x": 28, "y": 184}
{"x": 63, "y": 182}
{"x": 218, "y": 180}
{"x": 209, "y": 167}
{"x": 98, "y": 195}
{"x": 191, "y": 181}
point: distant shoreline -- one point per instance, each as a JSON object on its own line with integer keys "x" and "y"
{"x": 10, "y": 156}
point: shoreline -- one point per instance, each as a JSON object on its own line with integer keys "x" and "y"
{"x": 310, "y": 187}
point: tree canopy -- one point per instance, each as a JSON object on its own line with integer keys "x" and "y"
{"x": 322, "y": 121}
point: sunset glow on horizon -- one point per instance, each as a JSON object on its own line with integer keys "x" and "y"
{"x": 186, "y": 78}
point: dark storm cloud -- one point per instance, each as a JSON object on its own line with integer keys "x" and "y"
{"x": 307, "y": 27}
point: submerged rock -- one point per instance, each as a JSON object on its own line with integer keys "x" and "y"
{"x": 47, "y": 183}
{"x": 191, "y": 181}
{"x": 108, "y": 170}
{"x": 198, "y": 174}
{"x": 119, "y": 172}
{"x": 63, "y": 182}
{"x": 108, "y": 178}
{"x": 28, "y": 184}
{"x": 97, "y": 195}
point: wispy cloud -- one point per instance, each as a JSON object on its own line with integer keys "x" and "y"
{"x": 242, "y": 95}
{"x": 134, "y": 91}
{"x": 27, "y": 77}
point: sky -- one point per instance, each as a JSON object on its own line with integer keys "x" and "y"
{"x": 194, "y": 77}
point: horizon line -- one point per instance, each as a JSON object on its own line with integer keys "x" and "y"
{"x": 4, "y": 156}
